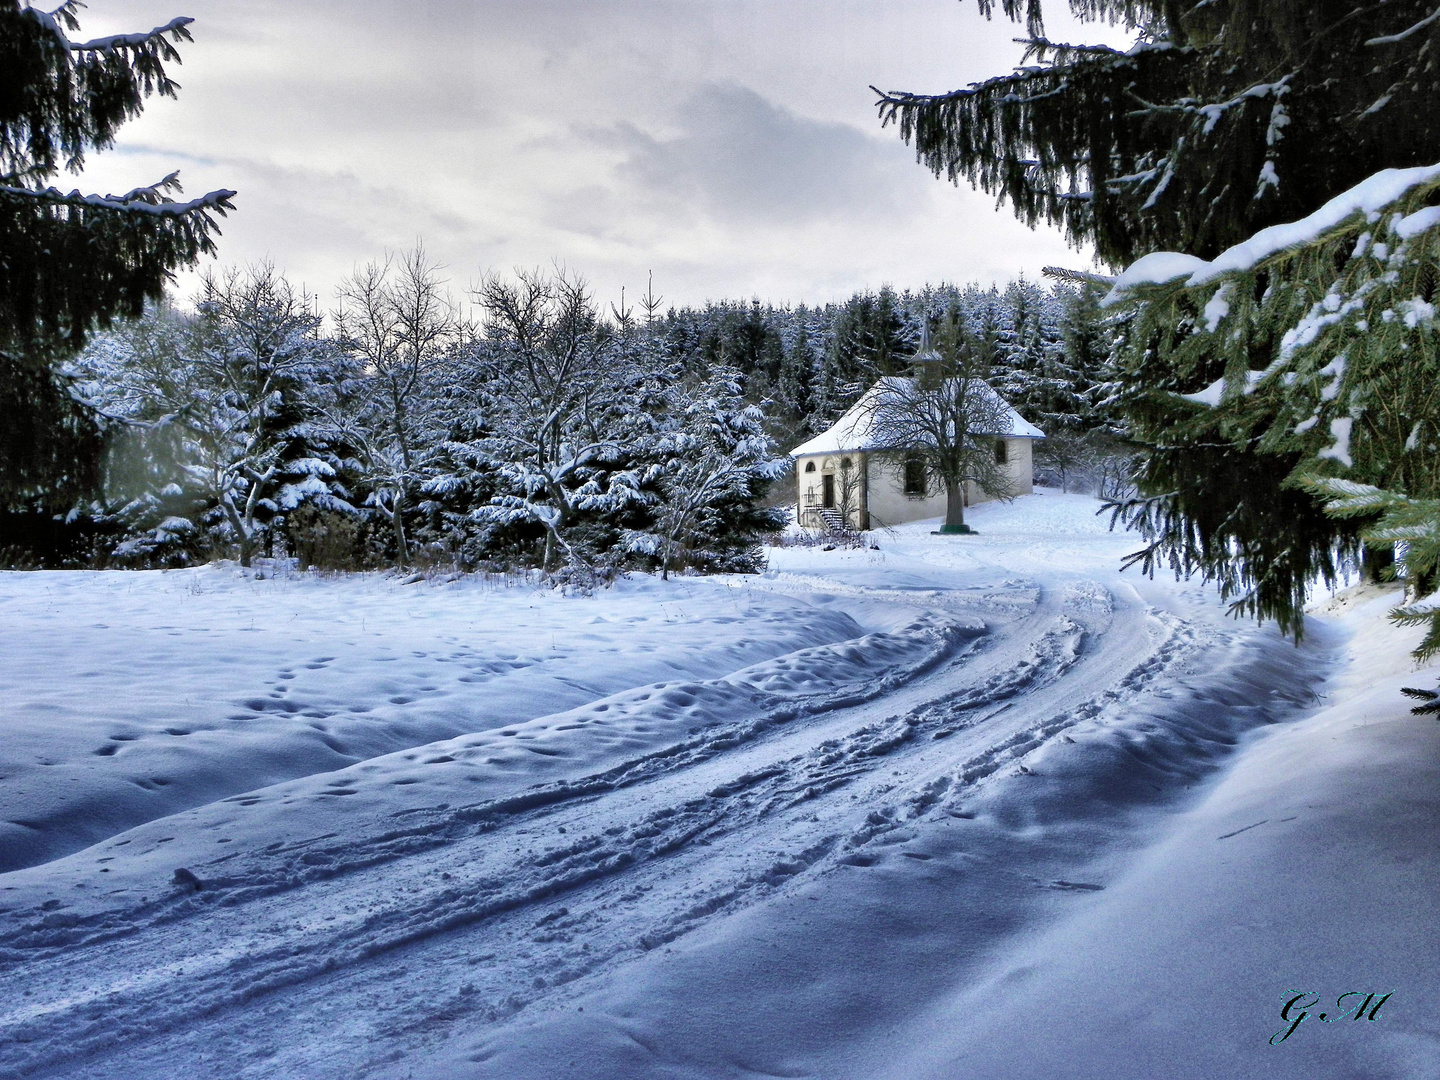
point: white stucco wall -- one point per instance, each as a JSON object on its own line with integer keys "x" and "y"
{"x": 810, "y": 486}
{"x": 1020, "y": 466}
{"x": 881, "y": 487}
{"x": 889, "y": 505}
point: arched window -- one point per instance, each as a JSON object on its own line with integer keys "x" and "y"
{"x": 1002, "y": 452}
{"x": 844, "y": 464}
{"x": 915, "y": 476}
{"x": 809, "y": 466}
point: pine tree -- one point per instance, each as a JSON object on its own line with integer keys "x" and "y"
{"x": 1224, "y": 118}
{"x": 793, "y": 389}
{"x": 1030, "y": 371}
{"x": 69, "y": 262}
{"x": 563, "y": 398}
{"x": 1087, "y": 340}
{"x": 214, "y": 411}
{"x": 714, "y": 464}
{"x": 1311, "y": 351}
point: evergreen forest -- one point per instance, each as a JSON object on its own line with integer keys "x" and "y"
{"x": 528, "y": 427}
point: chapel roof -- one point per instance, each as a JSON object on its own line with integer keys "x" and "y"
{"x": 854, "y": 430}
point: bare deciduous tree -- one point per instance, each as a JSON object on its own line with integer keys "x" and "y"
{"x": 397, "y": 323}
{"x": 946, "y": 417}
{"x": 561, "y": 398}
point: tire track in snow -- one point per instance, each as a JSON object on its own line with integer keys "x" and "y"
{"x": 235, "y": 974}
{"x": 469, "y": 879}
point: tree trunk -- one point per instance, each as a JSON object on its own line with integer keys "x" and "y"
{"x": 242, "y": 534}
{"x": 397, "y": 523}
{"x": 1376, "y": 559}
{"x": 955, "y": 507}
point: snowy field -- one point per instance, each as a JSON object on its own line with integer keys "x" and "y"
{"x": 953, "y": 807}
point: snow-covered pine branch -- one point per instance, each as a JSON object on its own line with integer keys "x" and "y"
{"x": 74, "y": 262}
{"x": 142, "y": 200}
{"x": 1314, "y": 345}
{"x": 1410, "y": 31}
{"x": 51, "y": 21}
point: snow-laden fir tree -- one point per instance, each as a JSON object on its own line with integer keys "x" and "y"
{"x": 1313, "y": 347}
{"x": 712, "y": 464}
{"x": 566, "y": 400}
{"x": 1223, "y": 118}
{"x": 215, "y": 411}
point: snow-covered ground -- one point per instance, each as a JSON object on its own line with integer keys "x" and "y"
{"x": 958, "y": 806}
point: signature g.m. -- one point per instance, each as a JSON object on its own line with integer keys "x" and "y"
{"x": 1352, "y": 1005}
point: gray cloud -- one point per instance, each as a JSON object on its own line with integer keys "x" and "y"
{"x": 729, "y": 145}
{"x": 742, "y": 158}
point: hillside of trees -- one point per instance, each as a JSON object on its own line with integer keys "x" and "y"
{"x": 528, "y": 426}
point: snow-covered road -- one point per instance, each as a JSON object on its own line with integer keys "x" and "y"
{"x": 913, "y": 757}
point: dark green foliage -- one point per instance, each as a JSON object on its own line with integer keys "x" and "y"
{"x": 51, "y": 446}
{"x": 58, "y": 99}
{"x": 1261, "y": 554}
{"x": 1412, "y": 526}
{"x": 793, "y": 389}
{"x": 869, "y": 337}
{"x": 1225, "y": 117}
{"x": 1431, "y": 699}
{"x": 1173, "y": 144}
{"x": 70, "y": 262}
{"x": 1319, "y": 364}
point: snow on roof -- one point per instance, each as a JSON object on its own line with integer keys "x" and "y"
{"x": 853, "y": 430}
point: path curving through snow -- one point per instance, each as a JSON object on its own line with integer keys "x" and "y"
{"x": 741, "y": 870}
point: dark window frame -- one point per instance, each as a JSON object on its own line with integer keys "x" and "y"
{"x": 915, "y": 482}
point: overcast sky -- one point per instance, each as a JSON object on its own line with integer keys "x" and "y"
{"x": 730, "y": 146}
